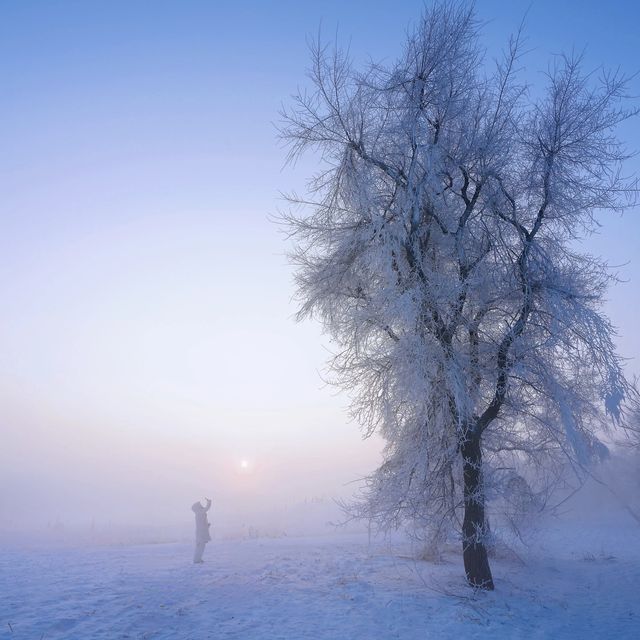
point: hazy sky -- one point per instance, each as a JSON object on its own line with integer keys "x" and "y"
{"x": 147, "y": 345}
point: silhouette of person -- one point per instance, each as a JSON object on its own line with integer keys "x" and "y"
{"x": 202, "y": 529}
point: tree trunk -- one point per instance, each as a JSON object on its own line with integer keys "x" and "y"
{"x": 474, "y": 551}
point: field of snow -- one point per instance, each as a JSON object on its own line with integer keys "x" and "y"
{"x": 580, "y": 579}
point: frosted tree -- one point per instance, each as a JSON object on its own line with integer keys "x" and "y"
{"x": 437, "y": 247}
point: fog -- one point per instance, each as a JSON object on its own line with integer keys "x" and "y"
{"x": 144, "y": 364}
{"x": 65, "y": 480}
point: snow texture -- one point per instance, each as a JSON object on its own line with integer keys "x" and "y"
{"x": 577, "y": 582}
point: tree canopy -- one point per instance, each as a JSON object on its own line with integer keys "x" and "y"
{"x": 437, "y": 247}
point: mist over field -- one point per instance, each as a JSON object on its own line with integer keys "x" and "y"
{"x": 119, "y": 488}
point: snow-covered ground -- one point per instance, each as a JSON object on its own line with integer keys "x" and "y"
{"x": 580, "y": 579}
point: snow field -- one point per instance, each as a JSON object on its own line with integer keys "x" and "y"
{"x": 576, "y": 583}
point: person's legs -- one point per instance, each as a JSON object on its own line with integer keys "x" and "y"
{"x": 197, "y": 556}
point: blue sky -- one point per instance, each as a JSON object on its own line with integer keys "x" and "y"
{"x": 146, "y": 323}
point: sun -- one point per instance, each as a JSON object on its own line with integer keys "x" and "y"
{"x": 244, "y": 464}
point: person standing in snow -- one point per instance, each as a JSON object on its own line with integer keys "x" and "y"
{"x": 202, "y": 529}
